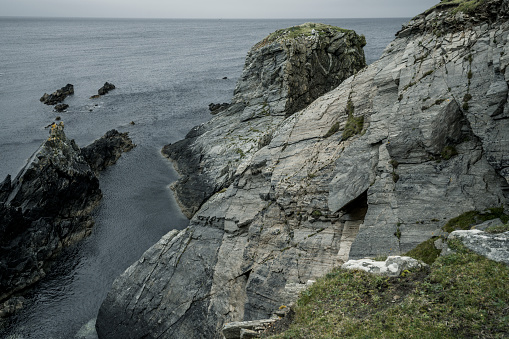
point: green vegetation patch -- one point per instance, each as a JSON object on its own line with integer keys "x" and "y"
{"x": 466, "y": 220}
{"x": 455, "y": 6}
{"x": 463, "y": 295}
{"x": 353, "y": 125}
{"x": 425, "y": 251}
{"x": 334, "y": 128}
{"x": 498, "y": 229}
{"x": 307, "y": 29}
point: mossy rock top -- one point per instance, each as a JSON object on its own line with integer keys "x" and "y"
{"x": 307, "y": 29}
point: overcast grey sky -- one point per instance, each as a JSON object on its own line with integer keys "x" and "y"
{"x": 216, "y": 8}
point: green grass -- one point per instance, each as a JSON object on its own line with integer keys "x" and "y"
{"x": 334, "y": 128}
{"x": 302, "y": 31}
{"x": 425, "y": 251}
{"x": 466, "y": 220}
{"x": 353, "y": 125}
{"x": 498, "y": 229}
{"x": 455, "y": 6}
{"x": 462, "y": 295}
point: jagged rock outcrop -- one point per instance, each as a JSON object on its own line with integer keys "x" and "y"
{"x": 374, "y": 167}
{"x": 283, "y": 73}
{"x": 58, "y": 96}
{"x": 45, "y": 208}
{"x": 106, "y": 88}
{"x": 106, "y": 150}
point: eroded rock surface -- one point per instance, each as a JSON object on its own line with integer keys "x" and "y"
{"x": 282, "y": 75}
{"x": 45, "y": 208}
{"x": 283, "y": 196}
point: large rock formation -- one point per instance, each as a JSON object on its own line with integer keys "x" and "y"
{"x": 283, "y": 73}
{"x": 374, "y": 167}
{"x": 45, "y": 208}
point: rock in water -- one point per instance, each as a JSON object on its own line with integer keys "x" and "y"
{"x": 58, "y": 96}
{"x": 48, "y": 206}
{"x": 282, "y": 75}
{"x": 106, "y": 88}
{"x": 105, "y": 151}
{"x": 61, "y": 107}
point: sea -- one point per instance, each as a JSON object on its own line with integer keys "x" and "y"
{"x": 166, "y": 73}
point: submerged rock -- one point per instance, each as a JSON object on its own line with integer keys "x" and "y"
{"x": 106, "y": 88}
{"x": 58, "y": 96}
{"x": 279, "y": 196}
{"x": 46, "y": 207}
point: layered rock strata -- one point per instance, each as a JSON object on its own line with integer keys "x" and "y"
{"x": 374, "y": 167}
{"x": 282, "y": 74}
{"x": 46, "y": 207}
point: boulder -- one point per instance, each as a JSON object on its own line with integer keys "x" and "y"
{"x": 106, "y": 88}
{"x": 58, "y": 96}
{"x": 393, "y": 266}
{"x": 492, "y": 246}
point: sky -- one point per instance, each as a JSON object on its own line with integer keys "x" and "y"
{"x": 224, "y": 9}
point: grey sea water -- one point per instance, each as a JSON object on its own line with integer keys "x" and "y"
{"x": 166, "y": 73}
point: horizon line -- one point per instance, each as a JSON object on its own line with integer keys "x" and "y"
{"x": 188, "y": 18}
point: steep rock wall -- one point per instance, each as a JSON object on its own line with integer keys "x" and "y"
{"x": 430, "y": 142}
{"x": 282, "y": 74}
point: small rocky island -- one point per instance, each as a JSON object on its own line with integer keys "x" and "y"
{"x": 48, "y": 205}
{"x": 320, "y": 159}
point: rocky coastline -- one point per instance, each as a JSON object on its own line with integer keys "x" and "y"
{"x": 48, "y": 206}
{"x": 284, "y": 185}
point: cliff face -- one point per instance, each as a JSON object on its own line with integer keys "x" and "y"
{"x": 283, "y": 73}
{"x": 48, "y": 205}
{"x": 373, "y": 167}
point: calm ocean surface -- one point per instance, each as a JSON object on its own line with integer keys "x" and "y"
{"x": 166, "y": 73}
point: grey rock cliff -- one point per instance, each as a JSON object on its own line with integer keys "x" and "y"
{"x": 46, "y": 207}
{"x": 282, "y": 75}
{"x": 302, "y": 195}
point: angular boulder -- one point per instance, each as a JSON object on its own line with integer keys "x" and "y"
{"x": 393, "y": 266}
